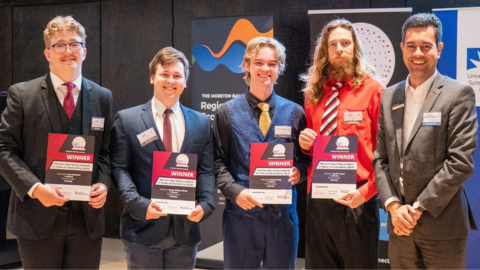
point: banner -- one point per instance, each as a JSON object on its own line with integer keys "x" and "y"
{"x": 380, "y": 31}
{"x": 218, "y": 46}
{"x": 460, "y": 59}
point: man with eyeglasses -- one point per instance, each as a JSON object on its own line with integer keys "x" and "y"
{"x": 53, "y": 232}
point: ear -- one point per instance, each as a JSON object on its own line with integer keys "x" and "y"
{"x": 401, "y": 46}
{"x": 151, "y": 79}
{"x": 439, "y": 49}
{"x": 84, "y": 53}
{"x": 47, "y": 52}
{"x": 246, "y": 66}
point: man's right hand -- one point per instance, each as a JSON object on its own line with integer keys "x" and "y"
{"x": 306, "y": 139}
{"x": 154, "y": 211}
{"x": 49, "y": 195}
{"x": 246, "y": 201}
{"x": 403, "y": 218}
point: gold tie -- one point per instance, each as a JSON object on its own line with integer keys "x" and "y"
{"x": 265, "y": 121}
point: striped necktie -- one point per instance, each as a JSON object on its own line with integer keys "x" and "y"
{"x": 329, "y": 119}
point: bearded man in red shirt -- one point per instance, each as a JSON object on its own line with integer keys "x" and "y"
{"x": 342, "y": 98}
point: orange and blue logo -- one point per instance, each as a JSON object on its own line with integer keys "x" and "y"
{"x": 231, "y": 55}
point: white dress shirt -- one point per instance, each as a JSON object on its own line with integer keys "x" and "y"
{"x": 61, "y": 90}
{"x": 177, "y": 121}
{"x": 414, "y": 98}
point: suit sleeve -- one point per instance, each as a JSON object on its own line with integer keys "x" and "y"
{"x": 461, "y": 145}
{"x": 206, "y": 190}
{"x": 12, "y": 167}
{"x": 383, "y": 181}
{"x": 103, "y": 170}
{"x": 120, "y": 154}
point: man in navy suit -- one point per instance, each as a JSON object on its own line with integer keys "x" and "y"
{"x": 151, "y": 238}
{"x": 53, "y": 232}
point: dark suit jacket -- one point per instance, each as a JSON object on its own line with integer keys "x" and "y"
{"x": 437, "y": 159}
{"x": 132, "y": 174}
{"x": 30, "y": 116}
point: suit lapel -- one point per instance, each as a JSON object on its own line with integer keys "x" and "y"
{"x": 149, "y": 122}
{"x": 430, "y": 99}
{"x": 188, "y": 131}
{"x": 87, "y": 104}
{"x": 398, "y": 107}
{"x": 50, "y": 102}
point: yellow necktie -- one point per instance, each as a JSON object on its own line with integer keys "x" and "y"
{"x": 265, "y": 120}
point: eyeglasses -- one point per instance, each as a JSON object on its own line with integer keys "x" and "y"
{"x": 62, "y": 47}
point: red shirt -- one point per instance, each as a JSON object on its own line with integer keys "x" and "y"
{"x": 367, "y": 100}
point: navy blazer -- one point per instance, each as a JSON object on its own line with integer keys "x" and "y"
{"x": 132, "y": 174}
{"x": 31, "y": 114}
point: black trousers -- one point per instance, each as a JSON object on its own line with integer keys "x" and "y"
{"x": 68, "y": 246}
{"x": 338, "y": 237}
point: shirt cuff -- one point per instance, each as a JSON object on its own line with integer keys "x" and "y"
{"x": 390, "y": 200}
{"x": 30, "y": 191}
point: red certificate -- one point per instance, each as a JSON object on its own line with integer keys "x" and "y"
{"x": 174, "y": 179}
{"x": 335, "y": 166}
{"x": 70, "y": 164}
{"x": 270, "y": 166}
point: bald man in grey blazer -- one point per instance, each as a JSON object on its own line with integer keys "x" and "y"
{"x": 425, "y": 145}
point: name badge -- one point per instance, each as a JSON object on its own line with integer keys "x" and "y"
{"x": 98, "y": 123}
{"x": 353, "y": 117}
{"x": 283, "y": 132}
{"x": 432, "y": 119}
{"x": 147, "y": 137}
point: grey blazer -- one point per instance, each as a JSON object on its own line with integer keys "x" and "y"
{"x": 30, "y": 115}
{"x": 437, "y": 159}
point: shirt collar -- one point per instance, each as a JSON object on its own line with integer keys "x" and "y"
{"x": 56, "y": 81}
{"x": 425, "y": 86}
{"x": 159, "y": 107}
{"x": 254, "y": 101}
{"x": 330, "y": 82}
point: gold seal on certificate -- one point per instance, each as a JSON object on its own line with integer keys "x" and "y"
{"x": 70, "y": 164}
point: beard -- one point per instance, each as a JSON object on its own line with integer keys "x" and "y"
{"x": 341, "y": 71}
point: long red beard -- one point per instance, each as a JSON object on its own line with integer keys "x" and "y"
{"x": 341, "y": 72}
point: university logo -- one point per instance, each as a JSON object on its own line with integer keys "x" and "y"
{"x": 473, "y": 58}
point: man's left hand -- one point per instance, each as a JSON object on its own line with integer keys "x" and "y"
{"x": 98, "y": 195}
{"x": 294, "y": 177}
{"x": 353, "y": 199}
{"x": 197, "y": 214}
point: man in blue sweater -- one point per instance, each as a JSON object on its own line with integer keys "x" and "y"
{"x": 255, "y": 233}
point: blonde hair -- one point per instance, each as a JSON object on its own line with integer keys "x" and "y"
{"x": 167, "y": 56}
{"x": 254, "y": 47}
{"x": 60, "y": 23}
{"x": 316, "y": 76}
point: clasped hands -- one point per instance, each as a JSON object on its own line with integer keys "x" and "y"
{"x": 404, "y": 218}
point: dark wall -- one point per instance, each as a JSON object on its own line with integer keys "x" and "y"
{"x": 124, "y": 35}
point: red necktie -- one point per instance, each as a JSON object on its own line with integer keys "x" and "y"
{"x": 167, "y": 131}
{"x": 68, "y": 102}
{"x": 329, "y": 119}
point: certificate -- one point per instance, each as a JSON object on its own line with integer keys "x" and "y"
{"x": 70, "y": 165}
{"x": 270, "y": 166}
{"x": 174, "y": 178}
{"x": 335, "y": 166}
